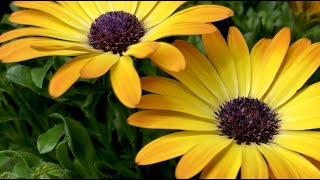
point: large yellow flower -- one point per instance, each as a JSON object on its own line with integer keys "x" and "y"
{"x": 240, "y": 112}
{"x": 104, "y": 35}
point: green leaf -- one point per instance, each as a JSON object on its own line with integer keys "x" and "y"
{"x": 63, "y": 155}
{"x": 79, "y": 144}
{"x": 21, "y": 170}
{"x": 38, "y": 74}
{"x": 48, "y": 140}
{"x": 21, "y": 75}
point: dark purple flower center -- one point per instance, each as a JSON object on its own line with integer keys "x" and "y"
{"x": 115, "y": 31}
{"x": 247, "y": 120}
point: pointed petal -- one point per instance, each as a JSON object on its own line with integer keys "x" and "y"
{"x": 199, "y": 156}
{"x": 225, "y": 165}
{"x": 171, "y": 146}
{"x": 126, "y": 82}
{"x": 168, "y": 57}
{"x": 279, "y": 165}
{"x": 161, "y": 12}
{"x": 270, "y": 62}
{"x": 253, "y": 164}
{"x": 240, "y": 53}
{"x": 203, "y": 69}
{"x": 57, "y": 11}
{"x": 162, "y": 102}
{"x": 67, "y": 75}
{"x": 159, "y": 119}
{"x": 99, "y": 65}
{"x": 294, "y": 76}
{"x": 220, "y": 56}
{"x": 144, "y": 8}
{"x": 142, "y": 49}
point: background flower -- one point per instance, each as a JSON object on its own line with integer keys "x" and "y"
{"x": 238, "y": 110}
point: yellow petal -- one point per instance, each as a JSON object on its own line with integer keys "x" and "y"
{"x": 253, "y": 164}
{"x": 126, "y": 82}
{"x": 34, "y": 31}
{"x": 293, "y": 77}
{"x": 76, "y": 8}
{"x": 201, "y": 13}
{"x": 257, "y": 53}
{"x": 126, "y": 6}
{"x": 144, "y": 8}
{"x": 142, "y": 49}
{"x": 199, "y": 156}
{"x": 161, "y": 12}
{"x": 41, "y": 19}
{"x": 191, "y": 81}
{"x": 203, "y": 69}
{"x": 178, "y": 29}
{"x": 304, "y": 168}
{"x": 99, "y": 65}
{"x": 22, "y": 49}
{"x": 279, "y": 165}
{"x": 67, "y": 75}
{"x": 240, "y": 53}
{"x": 103, "y": 6}
{"x": 313, "y": 161}
{"x": 57, "y": 11}
{"x": 168, "y": 57}
{"x": 308, "y": 146}
{"x": 270, "y": 62}
{"x": 220, "y": 56}
{"x": 225, "y": 165}
{"x": 169, "y": 87}
{"x": 171, "y": 146}
{"x": 311, "y": 133}
{"x": 90, "y": 8}
{"x": 162, "y": 102}
{"x": 159, "y": 119}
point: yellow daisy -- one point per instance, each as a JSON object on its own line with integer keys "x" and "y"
{"x": 104, "y": 35}
{"x": 240, "y": 112}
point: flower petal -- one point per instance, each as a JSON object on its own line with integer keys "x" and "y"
{"x": 253, "y": 164}
{"x": 306, "y": 145}
{"x": 168, "y": 57}
{"x": 57, "y": 11}
{"x": 270, "y": 62}
{"x": 90, "y": 8}
{"x": 103, "y": 6}
{"x": 126, "y": 82}
{"x": 293, "y": 77}
{"x": 199, "y": 156}
{"x": 203, "y": 69}
{"x": 144, "y": 8}
{"x": 169, "y": 87}
{"x": 225, "y": 165}
{"x": 22, "y": 49}
{"x": 159, "y": 119}
{"x": 34, "y": 31}
{"x": 178, "y": 29}
{"x": 171, "y": 146}
{"x": 162, "y": 102}
{"x": 220, "y": 56}
{"x": 67, "y": 75}
{"x": 99, "y": 65}
{"x": 41, "y": 19}
{"x": 279, "y": 165}
{"x": 76, "y": 8}
{"x": 240, "y": 53}
{"x": 126, "y": 6}
{"x": 161, "y": 12}
{"x": 142, "y": 49}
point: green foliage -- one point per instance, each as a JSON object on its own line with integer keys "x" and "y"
{"x": 84, "y": 133}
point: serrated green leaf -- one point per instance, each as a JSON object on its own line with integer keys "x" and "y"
{"x": 48, "y": 140}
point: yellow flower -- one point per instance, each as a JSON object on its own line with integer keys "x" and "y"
{"x": 104, "y": 35}
{"x": 309, "y": 9}
{"x": 240, "y": 112}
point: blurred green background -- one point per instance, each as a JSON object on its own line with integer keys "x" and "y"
{"x": 84, "y": 133}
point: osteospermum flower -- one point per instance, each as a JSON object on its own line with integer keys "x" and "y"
{"x": 104, "y": 35}
{"x": 240, "y": 112}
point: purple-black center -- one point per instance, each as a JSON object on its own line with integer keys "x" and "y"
{"x": 115, "y": 31}
{"x": 247, "y": 120}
